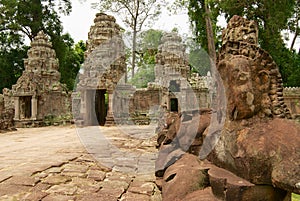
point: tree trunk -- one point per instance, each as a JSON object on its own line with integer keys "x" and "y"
{"x": 133, "y": 52}
{"x": 210, "y": 35}
{"x": 294, "y": 40}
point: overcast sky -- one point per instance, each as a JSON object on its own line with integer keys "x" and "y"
{"x": 80, "y": 20}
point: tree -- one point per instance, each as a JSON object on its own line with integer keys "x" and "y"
{"x": 134, "y": 14}
{"x": 294, "y": 24}
{"x": 204, "y": 21}
{"x": 21, "y": 19}
{"x": 28, "y": 17}
{"x": 11, "y": 66}
{"x": 147, "y": 50}
{"x": 199, "y": 60}
{"x": 71, "y": 60}
{"x": 272, "y": 16}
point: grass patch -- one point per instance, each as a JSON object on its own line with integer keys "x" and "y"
{"x": 295, "y": 197}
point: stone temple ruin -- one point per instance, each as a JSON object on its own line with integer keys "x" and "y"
{"x": 38, "y": 94}
{"x": 103, "y": 68}
{"x": 254, "y": 155}
{"x": 103, "y": 71}
{"x": 102, "y": 97}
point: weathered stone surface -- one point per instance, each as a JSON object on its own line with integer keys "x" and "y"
{"x": 227, "y": 186}
{"x": 38, "y": 92}
{"x": 167, "y": 156}
{"x": 203, "y": 195}
{"x": 42, "y": 171}
{"x": 81, "y": 168}
{"x": 58, "y": 197}
{"x": 292, "y": 98}
{"x": 258, "y": 142}
{"x": 182, "y": 133}
{"x": 35, "y": 196}
{"x": 10, "y": 189}
{"x": 22, "y": 180}
{"x": 114, "y": 192}
{"x": 104, "y": 66}
{"x": 135, "y": 196}
{"x": 141, "y": 187}
{"x": 186, "y": 130}
{"x": 96, "y": 175}
{"x": 183, "y": 177}
{"x": 96, "y": 196}
{"x": 64, "y": 189}
{"x": 6, "y": 116}
{"x": 55, "y": 179}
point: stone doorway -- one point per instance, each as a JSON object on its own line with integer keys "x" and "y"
{"x": 25, "y": 107}
{"x": 174, "y": 104}
{"x": 101, "y": 106}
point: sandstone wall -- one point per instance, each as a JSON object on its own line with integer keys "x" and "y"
{"x": 55, "y": 104}
{"x": 143, "y": 100}
{"x": 6, "y": 116}
{"x": 292, "y": 99}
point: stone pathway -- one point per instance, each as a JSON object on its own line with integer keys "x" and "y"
{"x": 52, "y": 163}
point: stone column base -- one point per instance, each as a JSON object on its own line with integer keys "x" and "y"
{"x": 110, "y": 120}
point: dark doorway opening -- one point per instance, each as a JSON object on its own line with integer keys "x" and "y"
{"x": 174, "y": 104}
{"x": 101, "y": 106}
{"x": 25, "y": 110}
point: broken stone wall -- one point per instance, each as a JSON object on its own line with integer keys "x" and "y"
{"x": 58, "y": 107}
{"x": 6, "y": 116}
{"x": 8, "y": 99}
{"x": 292, "y": 100}
{"x": 143, "y": 100}
{"x": 1, "y": 104}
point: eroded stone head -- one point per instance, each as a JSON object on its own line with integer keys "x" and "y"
{"x": 251, "y": 78}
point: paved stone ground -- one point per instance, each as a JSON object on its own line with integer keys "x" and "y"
{"x": 52, "y": 164}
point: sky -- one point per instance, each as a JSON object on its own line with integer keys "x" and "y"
{"x": 78, "y": 23}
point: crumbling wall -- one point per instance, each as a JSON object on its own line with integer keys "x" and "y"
{"x": 6, "y": 116}
{"x": 292, "y": 99}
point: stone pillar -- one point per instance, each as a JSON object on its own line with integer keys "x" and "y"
{"x": 17, "y": 108}
{"x": 110, "y": 115}
{"x": 34, "y": 108}
{"x": 88, "y": 107}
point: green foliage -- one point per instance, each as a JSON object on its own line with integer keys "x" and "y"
{"x": 71, "y": 59}
{"x": 25, "y": 18}
{"x": 295, "y": 197}
{"x": 272, "y": 16}
{"x": 199, "y": 60}
{"x": 148, "y": 47}
{"x": 28, "y": 17}
{"x": 197, "y": 13}
{"x": 11, "y": 66}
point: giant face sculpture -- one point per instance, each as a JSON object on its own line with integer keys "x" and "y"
{"x": 244, "y": 87}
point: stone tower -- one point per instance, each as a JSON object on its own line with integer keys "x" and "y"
{"x": 171, "y": 60}
{"x": 103, "y": 68}
{"x": 172, "y": 72}
{"x": 38, "y": 92}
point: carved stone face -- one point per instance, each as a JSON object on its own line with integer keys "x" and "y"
{"x": 237, "y": 78}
